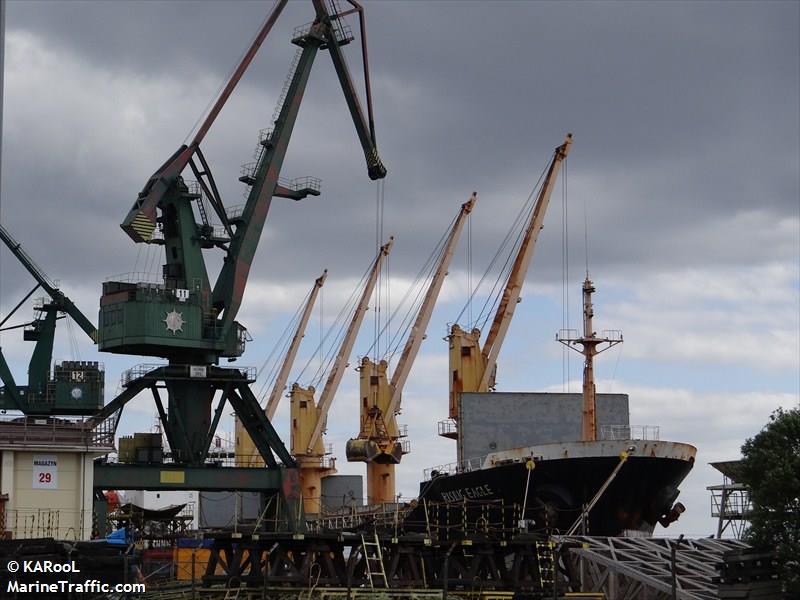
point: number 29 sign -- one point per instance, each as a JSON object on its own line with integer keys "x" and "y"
{"x": 45, "y": 472}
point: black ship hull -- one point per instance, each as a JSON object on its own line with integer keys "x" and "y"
{"x": 564, "y": 480}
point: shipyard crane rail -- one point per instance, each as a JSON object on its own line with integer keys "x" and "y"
{"x": 377, "y": 441}
{"x": 472, "y": 366}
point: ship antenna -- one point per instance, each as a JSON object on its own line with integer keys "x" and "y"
{"x": 590, "y": 346}
{"x": 585, "y": 233}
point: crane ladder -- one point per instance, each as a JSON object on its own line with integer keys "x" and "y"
{"x": 373, "y": 561}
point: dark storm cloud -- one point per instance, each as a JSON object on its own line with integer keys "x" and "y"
{"x": 684, "y": 114}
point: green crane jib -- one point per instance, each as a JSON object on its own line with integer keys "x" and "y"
{"x": 75, "y": 387}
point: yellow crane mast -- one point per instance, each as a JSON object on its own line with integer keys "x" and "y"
{"x": 472, "y": 368}
{"x": 378, "y": 442}
{"x": 309, "y": 418}
{"x": 246, "y": 453}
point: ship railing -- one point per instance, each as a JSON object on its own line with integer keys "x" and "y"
{"x": 464, "y": 466}
{"x": 567, "y": 335}
{"x": 630, "y": 432}
{"x": 612, "y": 335}
{"x": 447, "y": 427}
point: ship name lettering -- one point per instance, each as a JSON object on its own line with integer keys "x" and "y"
{"x": 471, "y": 493}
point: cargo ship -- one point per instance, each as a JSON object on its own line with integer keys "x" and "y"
{"x": 602, "y": 488}
{"x": 615, "y": 480}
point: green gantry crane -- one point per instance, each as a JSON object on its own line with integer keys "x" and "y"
{"x": 74, "y": 387}
{"x": 186, "y": 320}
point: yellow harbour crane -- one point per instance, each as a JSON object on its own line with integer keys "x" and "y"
{"x": 309, "y": 417}
{"x": 246, "y": 452}
{"x": 378, "y": 442}
{"x": 472, "y": 367}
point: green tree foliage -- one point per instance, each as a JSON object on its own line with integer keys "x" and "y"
{"x": 771, "y": 469}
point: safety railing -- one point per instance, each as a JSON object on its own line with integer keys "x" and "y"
{"x": 176, "y": 372}
{"x": 301, "y": 183}
{"x": 731, "y": 503}
{"x": 136, "y": 277}
{"x": 341, "y": 29}
{"x": 448, "y": 427}
{"x": 137, "y": 372}
{"x": 630, "y": 432}
{"x": 612, "y": 335}
{"x": 464, "y": 466}
{"x": 55, "y": 431}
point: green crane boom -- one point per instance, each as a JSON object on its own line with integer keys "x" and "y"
{"x": 63, "y": 303}
{"x": 75, "y": 388}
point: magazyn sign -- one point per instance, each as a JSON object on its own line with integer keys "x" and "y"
{"x": 45, "y": 471}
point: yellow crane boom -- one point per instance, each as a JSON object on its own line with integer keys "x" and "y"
{"x": 472, "y": 366}
{"x": 378, "y": 442}
{"x": 511, "y": 293}
{"x": 339, "y": 364}
{"x": 291, "y": 353}
{"x": 417, "y": 334}
{"x": 246, "y": 453}
{"x": 308, "y": 419}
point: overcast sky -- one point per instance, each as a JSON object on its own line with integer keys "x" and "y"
{"x": 685, "y": 171}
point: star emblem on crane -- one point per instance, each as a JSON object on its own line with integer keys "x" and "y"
{"x": 174, "y": 322}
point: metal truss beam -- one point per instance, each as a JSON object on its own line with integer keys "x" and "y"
{"x": 638, "y": 568}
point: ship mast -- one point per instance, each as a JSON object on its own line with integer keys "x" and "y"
{"x": 589, "y": 347}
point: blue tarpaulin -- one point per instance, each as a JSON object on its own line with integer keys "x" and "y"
{"x": 120, "y": 536}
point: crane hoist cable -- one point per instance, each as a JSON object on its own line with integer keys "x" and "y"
{"x": 379, "y": 216}
{"x": 338, "y": 327}
{"x": 410, "y": 310}
{"x": 517, "y": 226}
{"x": 278, "y": 349}
{"x": 565, "y": 283}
